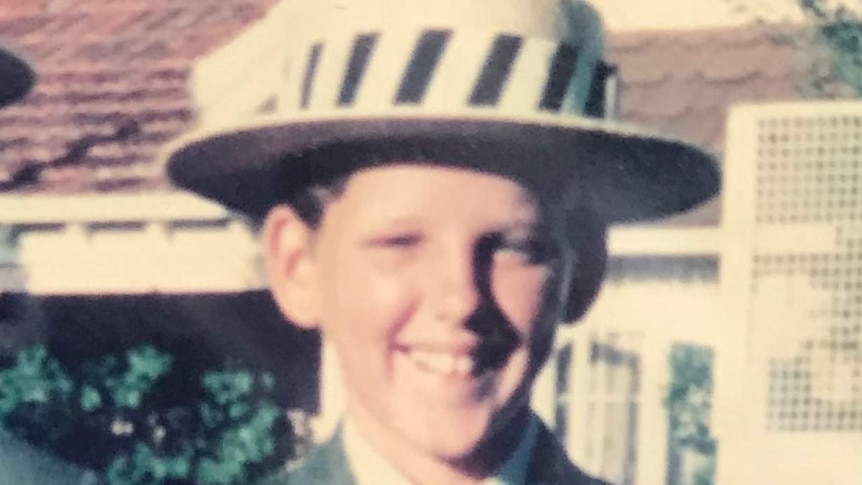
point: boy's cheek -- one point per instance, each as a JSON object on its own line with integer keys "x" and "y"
{"x": 367, "y": 301}
{"x": 521, "y": 298}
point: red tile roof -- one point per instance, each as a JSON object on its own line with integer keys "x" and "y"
{"x": 682, "y": 83}
{"x": 112, "y": 86}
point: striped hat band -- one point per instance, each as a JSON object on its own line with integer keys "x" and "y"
{"x": 443, "y": 72}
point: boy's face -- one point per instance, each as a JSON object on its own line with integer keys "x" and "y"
{"x": 440, "y": 289}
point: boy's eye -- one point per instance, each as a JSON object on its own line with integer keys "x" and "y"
{"x": 529, "y": 250}
{"x": 397, "y": 241}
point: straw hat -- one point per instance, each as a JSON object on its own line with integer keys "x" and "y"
{"x": 512, "y": 86}
{"x": 16, "y": 77}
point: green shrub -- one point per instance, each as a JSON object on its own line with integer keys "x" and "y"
{"x": 688, "y": 402}
{"x": 225, "y": 429}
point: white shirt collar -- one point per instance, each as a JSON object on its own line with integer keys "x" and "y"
{"x": 369, "y": 468}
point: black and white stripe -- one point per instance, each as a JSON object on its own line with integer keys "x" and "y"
{"x": 314, "y": 54}
{"x": 423, "y": 63}
{"x": 562, "y": 72}
{"x": 495, "y": 72}
{"x": 487, "y": 87}
{"x": 363, "y": 49}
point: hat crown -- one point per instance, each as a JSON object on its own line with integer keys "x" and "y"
{"x": 570, "y": 21}
{"x": 382, "y": 58}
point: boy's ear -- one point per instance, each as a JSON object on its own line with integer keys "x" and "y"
{"x": 290, "y": 266}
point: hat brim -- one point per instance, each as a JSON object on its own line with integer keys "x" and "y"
{"x": 630, "y": 175}
{"x": 16, "y": 77}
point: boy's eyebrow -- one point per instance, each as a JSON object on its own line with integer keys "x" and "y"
{"x": 385, "y": 226}
{"x": 525, "y": 226}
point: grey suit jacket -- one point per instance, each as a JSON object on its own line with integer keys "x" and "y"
{"x": 21, "y": 464}
{"x": 328, "y": 464}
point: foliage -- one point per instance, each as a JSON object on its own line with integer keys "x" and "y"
{"x": 689, "y": 407}
{"x": 828, "y": 46}
{"x": 840, "y": 30}
{"x": 230, "y": 431}
{"x": 688, "y": 399}
{"x": 706, "y": 474}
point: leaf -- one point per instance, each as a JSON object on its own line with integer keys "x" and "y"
{"x": 127, "y": 398}
{"x": 91, "y": 399}
{"x": 178, "y": 467}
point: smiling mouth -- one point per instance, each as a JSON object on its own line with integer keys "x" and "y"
{"x": 458, "y": 361}
{"x": 448, "y": 364}
{"x": 486, "y": 351}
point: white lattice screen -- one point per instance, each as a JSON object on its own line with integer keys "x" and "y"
{"x": 792, "y": 271}
{"x": 809, "y": 171}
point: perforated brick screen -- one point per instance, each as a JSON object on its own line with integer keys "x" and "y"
{"x": 809, "y": 178}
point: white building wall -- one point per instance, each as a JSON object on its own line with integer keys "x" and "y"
{"x": 130, "y": 244}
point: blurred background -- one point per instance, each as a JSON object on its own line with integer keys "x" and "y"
{"x": 726, "y": 347}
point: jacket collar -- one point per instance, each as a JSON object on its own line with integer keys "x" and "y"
{"x": 549, "y": 465}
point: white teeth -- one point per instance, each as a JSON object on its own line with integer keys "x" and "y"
{"x": 464, "y": 365}
{"x": 442, "y": 362}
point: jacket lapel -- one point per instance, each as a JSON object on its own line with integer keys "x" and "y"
{"x": 325, "y": 464}
{"x": 329, "y": 464}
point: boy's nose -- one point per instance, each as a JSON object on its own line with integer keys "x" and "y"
{"x": 463, "y": 283}
{"x": 457, "y": 294}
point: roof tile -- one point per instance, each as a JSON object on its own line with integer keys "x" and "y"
{"x": 684, "y": 81}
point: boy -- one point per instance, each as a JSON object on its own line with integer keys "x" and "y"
{"x": 434, "y": 188}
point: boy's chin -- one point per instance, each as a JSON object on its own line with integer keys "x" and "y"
{"x": 460, "y": 447}
{"x": 453, "y": 448}
{"x": 490, "y": 445}
{"x": 473, "y": 457}
{"x": 447, "y": 443}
